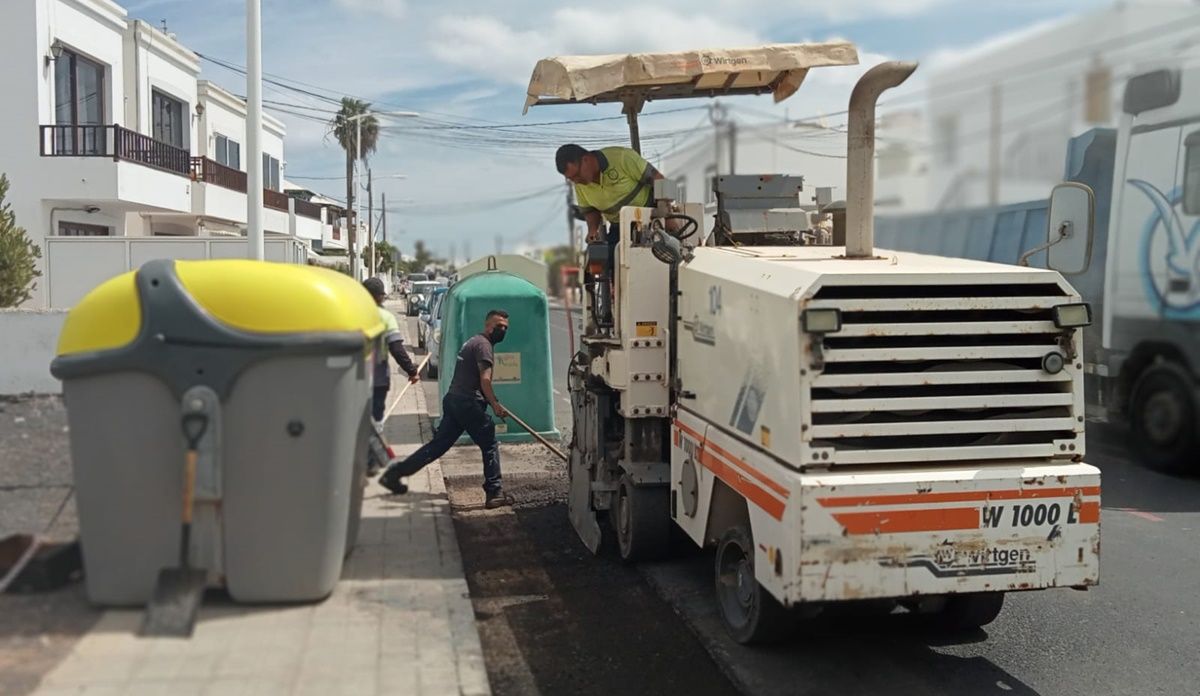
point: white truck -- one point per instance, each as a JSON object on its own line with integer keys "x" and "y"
{"x": 1141, "y": 271}
{"x": 840, "y": 423}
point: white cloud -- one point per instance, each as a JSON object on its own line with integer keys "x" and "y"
{"x": 492, "y": 48}
{"x": 393, "y": 9}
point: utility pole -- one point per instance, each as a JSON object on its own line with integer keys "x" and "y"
{"x": 371, "y": 220}
{"x": 254, "y": 107}
{"x": 383, "y": 215}
{"x": 453, "y": 254}
{"x": 994, "y": 149}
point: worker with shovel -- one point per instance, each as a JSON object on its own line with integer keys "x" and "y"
{"x": 464, "y": 409}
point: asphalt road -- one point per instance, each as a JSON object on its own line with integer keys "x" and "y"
{"x": 1137, "y": 633}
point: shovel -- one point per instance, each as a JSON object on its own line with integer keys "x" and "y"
{"x": 172, "y": 610}
{"x": 557, "y": 452}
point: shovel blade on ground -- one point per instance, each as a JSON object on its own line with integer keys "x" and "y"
{"x": 172, "y": 611}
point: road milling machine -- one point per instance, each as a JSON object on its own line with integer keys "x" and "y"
{"x": 839, "y": 422}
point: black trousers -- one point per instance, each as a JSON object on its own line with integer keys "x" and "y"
{"x": 459, "y": 414}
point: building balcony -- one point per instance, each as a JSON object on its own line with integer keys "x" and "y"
{"x": 112, "y": 166}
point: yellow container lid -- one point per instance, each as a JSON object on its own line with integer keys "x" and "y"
{"x": 251, "y": 296}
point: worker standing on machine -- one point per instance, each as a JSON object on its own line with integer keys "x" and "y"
{"x": 606, "y": 180}
{"x": 464, "y": 408}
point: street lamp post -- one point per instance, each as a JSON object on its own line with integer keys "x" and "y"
{"x": 370, "y": 226}
{"x": 358, "y": 199}
{"x": 254, "y": 107}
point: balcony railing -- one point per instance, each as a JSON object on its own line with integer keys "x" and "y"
{"x": 275, "y": 200}
{"x": 212, "y": 172}
{"x": 307, "y": 209}
{"x": 116, "y": 142}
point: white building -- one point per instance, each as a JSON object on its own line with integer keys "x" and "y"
{"x": 130, "y": 146}
{"x": 1000, "y": 116}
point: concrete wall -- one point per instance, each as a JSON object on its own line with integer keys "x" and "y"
{"x": 30, "y": 338}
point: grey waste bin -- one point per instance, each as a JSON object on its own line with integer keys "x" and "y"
{"x": 276, "y": 356}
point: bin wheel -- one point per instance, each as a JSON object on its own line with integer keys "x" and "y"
{"x": 642, "y": 521}
{"x": 749, "y": 612}
{"x": 967, "y": 612}
{"x": 1162, "y": 415}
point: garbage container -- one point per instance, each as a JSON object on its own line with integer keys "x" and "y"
{"x": 522, "y": 375}
{"x": 275, "y": 357}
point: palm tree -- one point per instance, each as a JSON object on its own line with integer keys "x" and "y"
{"x": 345, "y": 128}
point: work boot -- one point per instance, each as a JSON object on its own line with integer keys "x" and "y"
{"x": 497, "y": 500}
{"x": 391, "y": 481}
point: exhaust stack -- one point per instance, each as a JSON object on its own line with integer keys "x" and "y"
{"x": 860, "y": 161}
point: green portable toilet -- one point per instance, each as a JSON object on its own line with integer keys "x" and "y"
{"x": 522, "y": 374}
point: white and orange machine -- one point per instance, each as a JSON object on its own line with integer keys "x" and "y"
{"x": 840, "y": 422}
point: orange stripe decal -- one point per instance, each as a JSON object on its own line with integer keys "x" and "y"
{"x": 769, "y": 503}
{"x": 736, "y": 461}
{"x": 1089, "y": 513}
{"x": 957, "y": 496}
{"x": 936, "y": 520}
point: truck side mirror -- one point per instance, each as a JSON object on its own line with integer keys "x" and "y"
{"x": 1070, "y": 230}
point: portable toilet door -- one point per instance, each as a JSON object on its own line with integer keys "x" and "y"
{"x": 522, "y": 375}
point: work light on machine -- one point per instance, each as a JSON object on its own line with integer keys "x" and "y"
{"x": 1073, "y": 316}
{"x": 822, "y": 321}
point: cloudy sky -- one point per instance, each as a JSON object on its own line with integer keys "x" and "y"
{"x": 466, "y": 63}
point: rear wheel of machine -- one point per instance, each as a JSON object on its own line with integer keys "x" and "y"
{"x": 965, "y": 612}
{"x": 1162, "y": 415}
{"x": 750, "y": 613}
{"x": 642, "y": 520}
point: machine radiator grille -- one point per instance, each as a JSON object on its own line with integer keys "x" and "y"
{"x": 943, "y": 373}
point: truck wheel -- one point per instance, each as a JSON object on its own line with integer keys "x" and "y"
{"x": 642, "y": 521}
{"x": 1162, "y": 415}
{"x": 750, "y": 613}
{"x": 431, "y": 370}
{"x": 965, "y": 612}
{"x": 421, "y": 339}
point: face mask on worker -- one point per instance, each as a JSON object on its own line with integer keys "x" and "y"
{"x": 497, "y": 334}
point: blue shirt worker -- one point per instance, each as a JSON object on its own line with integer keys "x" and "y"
{"x": 464, "y": 409}
{"x": 382, "y": 379}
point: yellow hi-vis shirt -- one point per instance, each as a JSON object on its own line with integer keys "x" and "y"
{"x": 622, "y": 170}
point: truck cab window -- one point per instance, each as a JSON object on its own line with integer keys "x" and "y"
{"x": 1191, "y": 174}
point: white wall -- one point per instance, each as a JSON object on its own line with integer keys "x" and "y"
{"x": 308, "y": 228}
{"x": 92, "y": 28}
{"x": 154, "y": 61}
{"x": 77, "y": 265}
{"x": 31, "y": 338}
{"x": 223, "y": 115}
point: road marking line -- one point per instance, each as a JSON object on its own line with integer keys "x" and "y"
{"x": 1144, "y": 515}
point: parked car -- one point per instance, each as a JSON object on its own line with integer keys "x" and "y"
{"x": 418, "y": 296}
{"x": 407, "y": 284}
{"x": 425, "y": 320}
{"x": 433, "y": 340}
